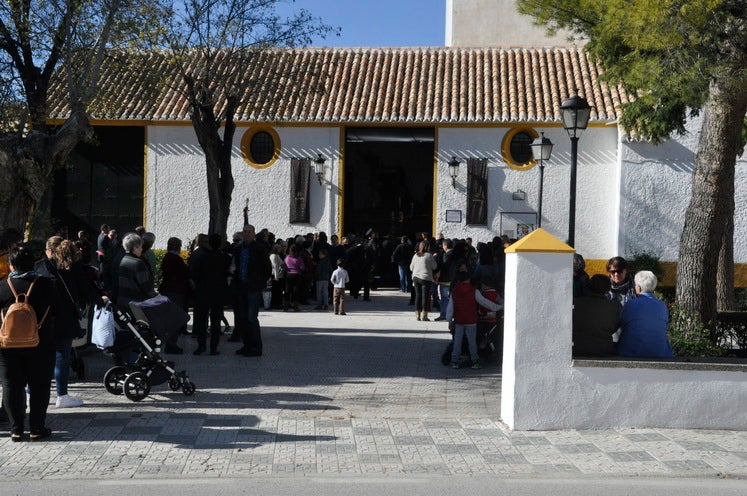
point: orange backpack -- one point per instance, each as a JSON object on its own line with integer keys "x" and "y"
{"x": 20, "y": 328}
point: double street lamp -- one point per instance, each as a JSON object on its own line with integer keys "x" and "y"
{"x": 575, "y": 113}
{"x": 541, "y": 150}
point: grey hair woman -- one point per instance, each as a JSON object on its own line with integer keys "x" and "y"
{"x": 135, "y": 282}
{"x": 131, "y": 242}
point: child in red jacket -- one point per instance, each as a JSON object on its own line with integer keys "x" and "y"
{"x": 463, "y": 308}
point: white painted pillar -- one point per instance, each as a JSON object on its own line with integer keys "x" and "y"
{"x": 537, "y": 332}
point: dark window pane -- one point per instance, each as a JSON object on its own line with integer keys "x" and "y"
{"x": 521, "y": 149}
{"x": 262, "y": 148}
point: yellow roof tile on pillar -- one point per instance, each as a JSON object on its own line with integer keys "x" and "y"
{"x": 540, "y": 240}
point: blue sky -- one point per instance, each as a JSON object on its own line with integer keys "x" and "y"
{"x": 377, "y": 22}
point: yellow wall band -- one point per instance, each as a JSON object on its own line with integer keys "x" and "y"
{"x": 669, "y": 278}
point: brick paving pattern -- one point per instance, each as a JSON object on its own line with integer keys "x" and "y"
{"x": 358, "y": 394}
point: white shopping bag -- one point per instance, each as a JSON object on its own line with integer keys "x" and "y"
{"x": 102, "y": 327}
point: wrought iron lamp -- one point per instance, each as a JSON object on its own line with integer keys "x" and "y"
{"x": 541, "y": 150}
{"x": 575, "y": 113}
{"x": 453, "y": 170}
{"x": 318, "y": 165}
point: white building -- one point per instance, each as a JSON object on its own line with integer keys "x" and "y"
{"x": 388, "y": 123}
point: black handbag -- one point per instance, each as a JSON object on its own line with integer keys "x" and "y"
{"x": 82, "y": 316}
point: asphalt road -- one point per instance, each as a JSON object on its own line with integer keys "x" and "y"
{"x": 382, "y": 486}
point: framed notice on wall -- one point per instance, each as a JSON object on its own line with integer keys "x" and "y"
{"x": 453, "y": 216}
{"x": 516, "y": 225}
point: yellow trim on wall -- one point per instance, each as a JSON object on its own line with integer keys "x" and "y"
{"x": 669, "y": 279}
{"x": 445, "y": 125}
{"x": 341, "y": 184}
{"x": 506, "y": 148}
{"x": 246, "y": 141}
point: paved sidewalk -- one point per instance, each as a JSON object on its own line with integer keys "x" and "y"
{"x": 356, "y": 394}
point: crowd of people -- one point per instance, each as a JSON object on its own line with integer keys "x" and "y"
{"x": 618, "y": 314}
{"x": 449, "y": 279}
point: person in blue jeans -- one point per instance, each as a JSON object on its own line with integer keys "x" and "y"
{"x": 252, "y": 270}
{"x": 74, "y": 289}
{"x": 401, "y": 256}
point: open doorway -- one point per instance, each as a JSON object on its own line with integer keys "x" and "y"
{"x": 389, "y": 180}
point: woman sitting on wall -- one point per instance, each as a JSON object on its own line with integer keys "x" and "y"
{"x": 644, "y": 322}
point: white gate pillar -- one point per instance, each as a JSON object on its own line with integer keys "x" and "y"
{"x": 537, "y": 331}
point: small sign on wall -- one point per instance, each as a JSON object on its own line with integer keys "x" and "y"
{"x": 453, "y": 216}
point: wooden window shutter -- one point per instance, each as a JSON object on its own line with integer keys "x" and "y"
{"x": 299, "y": 190}
{"x": 477, "y": 191}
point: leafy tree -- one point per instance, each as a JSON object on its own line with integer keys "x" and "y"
{"x": 678, "y": 59}
{"x": 36, "y": 38}
{"x": 216, "y": 46}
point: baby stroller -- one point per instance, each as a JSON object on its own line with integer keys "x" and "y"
{"x": 489, "y": 341}
{"x": 489, "y": 333}
{"x": 136, "y": 335}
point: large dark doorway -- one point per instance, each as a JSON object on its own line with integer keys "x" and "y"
{"x": 389, "y": 180}
{"x": 103, "y": 182}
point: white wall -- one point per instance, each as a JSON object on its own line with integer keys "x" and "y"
{"x": 656, "y": 182}
{"x": 542, "y": 388}
{"x": 176, "y": 191}
{"x": 632, "y": 203}
{"x": 494, "y": 23}
{"x": 597, "y": 186}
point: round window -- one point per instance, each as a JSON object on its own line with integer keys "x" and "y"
{"x": 517, "y": 148}
{"x": 260, "y": 147}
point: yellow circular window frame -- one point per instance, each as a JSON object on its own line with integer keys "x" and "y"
{"x": 246, "y": 142}
{"x": 506, "y": 148}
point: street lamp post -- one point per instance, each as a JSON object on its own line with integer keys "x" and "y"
{"x": 541, "y": 150}
{"x": 575, "y": 113}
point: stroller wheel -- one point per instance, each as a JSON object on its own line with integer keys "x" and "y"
{"x": 136, "y": 386}
{"x": 174, "y": 383}
{"x": 113, "y": 380}
{"x": 188, "y": 388}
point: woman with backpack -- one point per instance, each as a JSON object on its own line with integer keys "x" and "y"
{"x": 27, "y": 365}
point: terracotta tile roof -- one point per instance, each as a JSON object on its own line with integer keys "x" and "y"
{"x": 371, "y": 85}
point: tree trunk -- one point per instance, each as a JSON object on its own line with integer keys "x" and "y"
{"x": 725, "y": 299}
{"x": 26, "y": 166}
{"x": 226, "y": 173}
{"x": 218, "y": 170}
{"x": 711, "y": 203}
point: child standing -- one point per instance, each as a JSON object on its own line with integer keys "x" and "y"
{"x": 339, "y": 279}
{"x": 322, "y": 273}
{"x": 463, "y": 308}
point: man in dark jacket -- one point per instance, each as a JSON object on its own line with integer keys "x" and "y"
{"x": 252, "y": 269}
{"x": 402, "y": 256}
{"x": 198, "y": 275}
{"x": 595, "y": 320}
